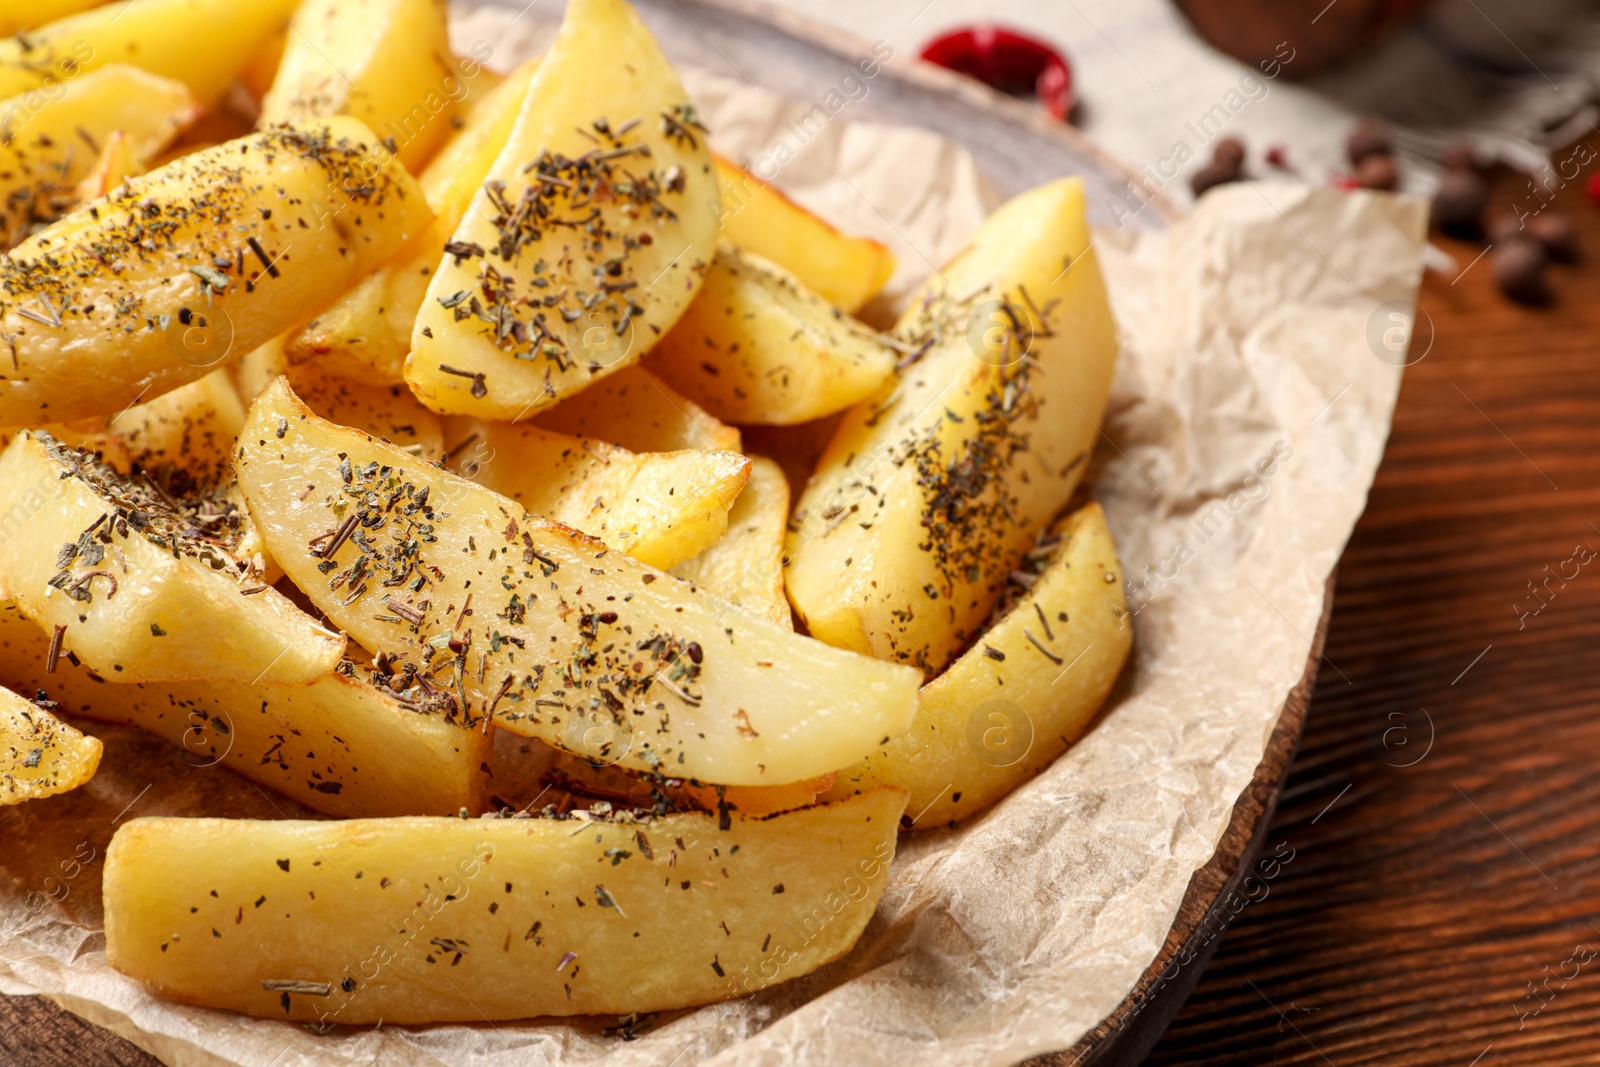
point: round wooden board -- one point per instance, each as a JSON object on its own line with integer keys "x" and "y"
{"x": 1016, "y": 146}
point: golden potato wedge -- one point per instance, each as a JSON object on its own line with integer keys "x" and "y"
{"x": 99, "y": 128}
{"x": 150, "y": 588}
{"x": 387, "y": 411}
{"x": 453, "y": 920}
{"x": 845, "y": 271}
{"x": 341, "y": 745}
{"x": 756, "y": 346}
{"x": 367, "y": 332}
{"x": 184, "y": 439}
{"x": 385, "y": 62}
{"x": 659, "y": 507}
{"x": 202, "y": 43}
{"x": 95, "y": 319}
{"x": 635, "y": 409}
{"x": 745, "y": 568}
{"x": 40, "y": 755}
{"x": 545, "y": 629}
{"x": 931, "y": 492}
{"x": 1014, "y": 701}
{"x": 589, "y": 237}
{"x": 18, "y": 16}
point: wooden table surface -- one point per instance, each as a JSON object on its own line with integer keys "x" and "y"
{"x": 1439, "y": 906}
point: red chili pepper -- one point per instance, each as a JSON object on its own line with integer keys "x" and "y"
{"x": 1594, "y": 188}
{"x": 1011, "y": 62}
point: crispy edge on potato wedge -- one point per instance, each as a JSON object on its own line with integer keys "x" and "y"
{"x": 40, "y": 755}
{"x": 930, "y": 493}
{"x": 150, "y": 588}
{"x": 124, "y": 300}
{"x": 845, "y": 271}
{"x": 589, "y": 237}
{"x": 123, "y": 116}
{"x": 562, "y": 639}
{"x": 659, "y": 507}
{"x": 1013, "y": 702}
{"x": 756, "y": 346}
{"x": 635, "y": 409}
{"x": 442, "y": 920}
{"x": 202, "y": 43}
{"x": 368, "y": 331}
{"x": 385, "y": 62}
{"x": 745, "y": 567}
{"x": 341, "y": 745}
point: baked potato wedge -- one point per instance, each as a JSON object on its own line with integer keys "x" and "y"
{"x": 184, "y": 439}
{"x": 202, "y": 43}
{"x": 19, "y": 17}
{"x": 756, "y": 346}
{"x": 99, "y": 128}
{"x": 659, "y": 507}
{"x": 930, "y": 493}
{"x": 544, "y": 629}
{"x": 385, "y": 62}
{"x": 745, "y": 567}
{"x": 635, "y": 409}
{"x": 845, "y": 271}
{"x": 452, "y": 920}
{"x": 216, "y": 253}
{"x": 1013, "y": 702}
{"x": 367, "y": 333}
{"x": 149, "y": 588}
{"x": 40, "y": 755}
{"x": 341, "y": 745}
{"x": 587, "y": 240}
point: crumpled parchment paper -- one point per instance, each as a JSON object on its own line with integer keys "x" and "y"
{"x": 1252, "y": 402}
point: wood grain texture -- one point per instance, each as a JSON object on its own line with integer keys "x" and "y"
{"x": 1442, "y": 881}
{"x": 33, "y": 1031}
